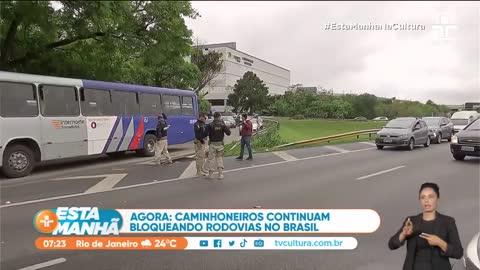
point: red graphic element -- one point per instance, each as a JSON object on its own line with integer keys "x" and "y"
{"x": 93, "y": 125}
{"x": 138, "y": 136}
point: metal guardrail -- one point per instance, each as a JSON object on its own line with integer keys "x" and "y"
{"x": 331, "y": 138}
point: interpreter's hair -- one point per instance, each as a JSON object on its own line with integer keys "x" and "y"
{"x": 202, "y": 115}
{"x": 432, "y": 186}
{"x": 244, "y": 115}
{"x": 164, "y": 116}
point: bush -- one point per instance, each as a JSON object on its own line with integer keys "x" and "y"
{"x": 204, "y": 105}
{"x": 268, "y": 139}
{"x": 260, "y": 142}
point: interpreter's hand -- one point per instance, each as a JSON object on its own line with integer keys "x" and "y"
{"x": 407, "y": 228}
{"x": 432, "y": 239}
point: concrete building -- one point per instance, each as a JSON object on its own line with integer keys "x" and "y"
{"x": 235, "y": 64}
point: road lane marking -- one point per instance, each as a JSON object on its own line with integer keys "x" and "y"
{"x": 369, "y": 143}
{"x": 44, "y": 264}
{"x": 171, "y": 180}
{"x": 285, "y": 156}
{"x": 381, "y": 172}
{"x": 106, "y": 184}
{"x": 338, "y": 149}
{"x": 190, "y": 171}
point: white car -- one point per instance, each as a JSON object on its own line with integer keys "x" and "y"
{"x": 471, "y": 257}
{"x": 462, "y": 119}
{"x": 381, "y": 118}
{"x": 255, "y": 125}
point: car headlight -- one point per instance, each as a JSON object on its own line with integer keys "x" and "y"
{"x": 404, "y": 136}
{"x": 454, "y": 139}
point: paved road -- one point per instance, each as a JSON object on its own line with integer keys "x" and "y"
{"x": 344, "y": 176}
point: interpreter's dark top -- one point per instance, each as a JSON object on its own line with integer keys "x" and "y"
{"x": 423, "y": 252}
{"x": 443, "y": 227}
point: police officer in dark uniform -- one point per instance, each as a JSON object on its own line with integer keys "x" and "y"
{"x": 216, "y": 133}
{"x": 200, "y": 143}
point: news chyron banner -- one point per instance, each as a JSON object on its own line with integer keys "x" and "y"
{"x": 91, "y": 228}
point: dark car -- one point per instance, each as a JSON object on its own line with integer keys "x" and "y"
{"x": 440, "y": 128}
{"x": 471, "y": 257}
{"x": 466, "y": 142}
{"x": 403, "y": 131}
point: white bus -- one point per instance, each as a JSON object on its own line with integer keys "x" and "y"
{"x": 44, "y": 118}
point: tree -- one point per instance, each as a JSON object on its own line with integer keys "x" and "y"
{"x": 135, "y": 41}
{"x": 209, "y": 65}
{"x": 204, "y": 105}
{"x": 364, "y": 105}
{"x": 249, "y": 93}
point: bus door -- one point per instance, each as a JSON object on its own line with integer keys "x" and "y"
{"x": 180, "y": 120}
{"x": 64, "y": 131}
{"x": 188, "y": 119}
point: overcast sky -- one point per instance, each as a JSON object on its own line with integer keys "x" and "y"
{"x": 407, "y": 64}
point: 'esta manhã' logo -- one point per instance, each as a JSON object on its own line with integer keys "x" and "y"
{"x": 78, "y": 221}
{"x": 45, "y": 221}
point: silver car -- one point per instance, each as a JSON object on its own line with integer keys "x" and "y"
{"x": 440, "y": 128}
{"x": 404, "y": 131}
{"x": 229, "y": 121}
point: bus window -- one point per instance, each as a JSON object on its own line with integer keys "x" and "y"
{"x": 18, "y": 100}
{"x": 58, "y": 100}
{"x": 95, "y": 102}
{"x": 171, "y": 105}
{"x": 125, "y": 103}
{"x": 187, "y": 106}
{"x": 150, "y": 104}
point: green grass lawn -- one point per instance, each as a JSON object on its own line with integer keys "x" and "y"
{"x": 297, "y": 130}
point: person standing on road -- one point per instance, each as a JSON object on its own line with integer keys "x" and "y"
{"x": 199, "y": 143}
{"x": 432, "y": 238}
{"x": 216, "y": 133}
{"x": 161, "y": 147}
{"x": 246, "y": 131}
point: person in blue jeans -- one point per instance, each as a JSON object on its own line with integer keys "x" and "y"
{"x": 246, "y": 130}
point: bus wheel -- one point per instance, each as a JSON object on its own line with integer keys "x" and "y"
{"x": 18, "y": 161}
{"x": 148, "y": 146}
